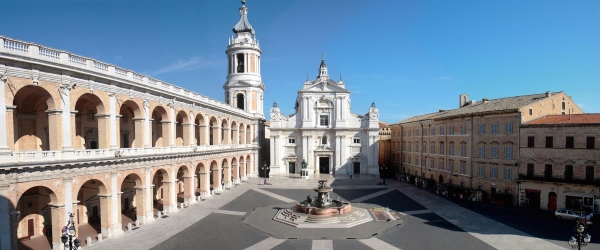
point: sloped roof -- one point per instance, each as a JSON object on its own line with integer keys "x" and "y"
{"x": 501, "y": 104}
{"x": 566, "y": 119}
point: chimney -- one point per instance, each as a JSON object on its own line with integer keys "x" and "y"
{"x": 485, "y": 100}
{"x": 548, "y": 93}
{"x": 463, "y": 99}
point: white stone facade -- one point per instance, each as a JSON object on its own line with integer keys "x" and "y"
{"x": 324, "y": 132}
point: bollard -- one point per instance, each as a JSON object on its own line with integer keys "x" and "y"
{"x": 89, "y": 241}
{"x": 99, "y": 237}
{"x": 129, "y": 226}
{"x": 137, "y": 223}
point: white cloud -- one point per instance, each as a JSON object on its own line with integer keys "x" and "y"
{"x": 193, "y": 63}
{"x": 444, "y": 78}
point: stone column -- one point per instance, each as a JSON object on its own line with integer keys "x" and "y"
{"x": 68, "y": 194}
{"x": 65, "y": 94}
{"x": 112, "y": 112}
{"x": 147, "y": 143}
{"x": 188, "y": 186}
{"x": 115, "y": 212}
{"x": 149, "y": 216}
{"x": 203, "y": 135}
{"x": 3, "y": 121}
{"x": 172, "y": 133}
{"x": 140, "y": 204}
{"x": 138, "y": 124}
{"x": 6, "y": 232}
{"x": 166, "y": 135}
{"x": 57, "y": 214}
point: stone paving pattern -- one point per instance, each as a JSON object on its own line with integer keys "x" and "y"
{"x": 431, "y": 222}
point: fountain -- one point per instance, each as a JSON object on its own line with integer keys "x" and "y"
{"x": 323, "y": 204}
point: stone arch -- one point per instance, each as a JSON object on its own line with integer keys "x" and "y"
{"x": 202, "y": 180}
{"x": 214, "y": 131}
{"x": 130, "y": 125}
{"x": 33, "y": 127}
{"x": 225, "y": 132}
{"x": 185, "y": 184}
{"x": 215, "y": 175}
{"x": 242, "y": 133}
{"x": 39, "y": 213}
{"x": 161, "y": 195}
{"x": 91, "y": 123}
{"x": 93, "y": 210}
{"x": 200, "y": 130}
{"x": 133, "y": 199}
{"x": 235, "y": 170}
{"x": 234, "y": 133}
{"x": 160, "y": 127}
{"x": 182, "y": 129}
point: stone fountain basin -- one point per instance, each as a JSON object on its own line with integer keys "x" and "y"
{"x": 344, "y": 208}
{"x": 323, "y": 190}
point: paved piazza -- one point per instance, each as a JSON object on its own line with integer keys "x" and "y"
{"x": 426, "y": 222}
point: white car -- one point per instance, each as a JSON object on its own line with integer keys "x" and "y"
{"x": 564, "y": 213}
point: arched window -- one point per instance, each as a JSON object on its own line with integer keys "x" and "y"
{"x": 240, "y": 100}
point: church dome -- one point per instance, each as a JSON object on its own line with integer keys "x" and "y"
{"x": 243, "y": 24}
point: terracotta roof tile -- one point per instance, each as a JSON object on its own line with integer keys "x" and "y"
{"x": 567, "y": 119}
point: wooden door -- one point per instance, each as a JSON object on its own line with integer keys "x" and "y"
{"x": 356, "y": 167}
{"x": 30, "y": 228}
{"x": 552, "y": 201}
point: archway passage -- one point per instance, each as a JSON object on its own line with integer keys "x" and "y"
{"x": 235, "y": 170}
{"x": 249, "y": 165}
{"x": 160, "y": 127}
{"x": 39, "y": 223}
{"x": 202, "y": 182}
{"x": 213, "y": 131}
{"x": 200, "y": 132}
{"x": 184, "y": 185}
{"x": 215, "y": 176}
{"x": 130, "y": 126}
{"x": 132, "y": 200}
{"x": 162, "y": 192}
{"x": 182, "y": 129}
{"x": 90, "y": 130}
{"x": 92, "y": 213}
{"x": 32, "y": 125}
{"x": 225, "y": 130}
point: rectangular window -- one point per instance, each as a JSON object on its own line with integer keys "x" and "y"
{"x": 481, "y": 171}
{"x": 292, "y": 140}
{"x": 451, "y": 149}
{"x": 441, "y": 166}
{"x": 424, "y": 132}
{"x": 549, "y": 142}
{"x": 507, "y": 174}
{"x": 416, "y": 147}
{"x": 433, "y": 148}
{"x": 482, "y": 128}
{"x": 481, "y": 151}
{"x": 451, "y": 166}
{"x": 563, "y": 105}
{"x": 463, "y": 129}
{"x": 530, "y": 169}
{"x": 442, "y": 130}
{"x": 589, "y": 173}
{"x": 509, "y": 127}
{"x": 530, "y": 111}
{"x": 462, "y": 168}
{"x": 324, "y": 120}
{"x": 451, "y": 130}
{"x": 432, "y": 131}
{"x": 494, "y": 172}
{"x": 416, "y": 160}
{"x": 508, "y": 152}
{"x": 589, "y": 142}
{"x": 570, "y": 142}
{"x": 530, "y": 142}
{"x": 91, "y": 115}
{"x": 568, "y": 172}
{"x": 356, "y": 140}
{"x": 442, "y": 149}
{"x": 463, "y": 150}
{"x": 494, "y": 128}
{"x": 548, "y": 171}
{"x": 494, "y": 152}
{"x": 417, "y": 132}
{"x": 432, "y": 163}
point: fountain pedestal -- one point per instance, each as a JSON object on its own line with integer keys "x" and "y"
{"x": 304, "y": 174}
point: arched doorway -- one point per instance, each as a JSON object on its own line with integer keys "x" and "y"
{"x": 162, "y": 192}
{"x": 132, "y": 200}
{"x": 552, "y": 201}
{"x": 38, "y": 220}
{"x": 92, "y": 213}
{"x": 32, "y": 125}
{"x": 160, "y": 127}
{"x": 90, "y": 132}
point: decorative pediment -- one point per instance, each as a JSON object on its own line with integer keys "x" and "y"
{"x": 569, "y": 161}
{"x": 325, "y": 85}
{"x": 530, "y": 159}
{"x": 590, "y": 162}
{"x": 548, "y": 160}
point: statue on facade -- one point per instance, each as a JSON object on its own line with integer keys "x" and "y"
{"x": 303, "y": 164}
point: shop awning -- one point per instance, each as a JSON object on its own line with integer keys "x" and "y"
{"x": 578, "y": 194}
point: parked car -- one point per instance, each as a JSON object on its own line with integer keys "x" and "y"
{"x": 565, "y": 213}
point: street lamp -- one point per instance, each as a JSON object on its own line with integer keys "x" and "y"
{"x": 382, "y": 173}
{"x": 580, "y": 236}
{"x": 265, "y": 168}
{"x": 69, "y": 234}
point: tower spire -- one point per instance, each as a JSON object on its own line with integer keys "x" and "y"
{"x": 243, "y": 24}
{"x": 323, "y": 68}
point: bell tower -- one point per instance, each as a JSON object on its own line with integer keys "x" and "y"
{"x": 244, "y": 87}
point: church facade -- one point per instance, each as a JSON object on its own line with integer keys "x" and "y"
{"x": 324, "y": 132}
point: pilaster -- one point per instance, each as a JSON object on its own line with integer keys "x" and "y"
{"x": 65, "y": 94}
{"x": 113, "y": 119}
{"x": 3, "y": 121}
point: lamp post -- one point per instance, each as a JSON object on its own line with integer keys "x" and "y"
{"x": 69, "y": 234}
{"x": 265, "y": 168}
{"x": 382, "y": 173}
{"x": 580, "y": 236}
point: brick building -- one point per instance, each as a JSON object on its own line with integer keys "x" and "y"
{"x": 474, "y": 149}
{"x": 560, "y": 156}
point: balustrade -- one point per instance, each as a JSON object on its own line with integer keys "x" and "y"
{"x": 49, "y": 53}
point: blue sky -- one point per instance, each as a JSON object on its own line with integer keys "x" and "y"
{"x": 410, "y": 57}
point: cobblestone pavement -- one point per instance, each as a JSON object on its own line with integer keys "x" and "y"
{"x": 429, "y": 221}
